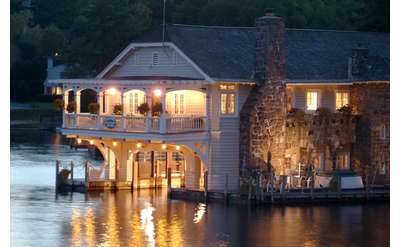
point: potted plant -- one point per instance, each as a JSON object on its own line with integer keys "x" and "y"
{"x": 117, "y": 109}
{"x": 94, "y": 108}
{"x": 157, "y": 109}
{"x": 58, "y": 104}
{"x": 144, "y": 109}
{"x": 71, "y": 107}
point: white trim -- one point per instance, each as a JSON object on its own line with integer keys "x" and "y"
{"x": 156, "y": 44}
{"x": 190, "y": 136}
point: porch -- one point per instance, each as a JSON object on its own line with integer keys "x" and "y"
{"x": 135, "y": 123}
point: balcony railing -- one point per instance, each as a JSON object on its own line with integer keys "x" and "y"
{"x": 132, "y": 123}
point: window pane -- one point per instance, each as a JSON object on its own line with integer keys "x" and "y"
{"x": 231, "y": 103}
{"x": 312, "y": 100}
{"x": 342, "y": 99}
{"x": 182, "y": 104}
{"x": 223, "y": 103}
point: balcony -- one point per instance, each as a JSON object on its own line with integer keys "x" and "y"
{"x": 135, "y": 123}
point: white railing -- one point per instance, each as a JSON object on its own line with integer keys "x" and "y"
{"x": 133, "y": 123}
{"x": 193, "y": 123}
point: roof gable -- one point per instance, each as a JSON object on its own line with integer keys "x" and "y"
{"x": 152, "y": 60}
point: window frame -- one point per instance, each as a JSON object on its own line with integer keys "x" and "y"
{"x": 229, "y": 90}
{"x": 318, "y": 92}
{"x": 341, "y": 91}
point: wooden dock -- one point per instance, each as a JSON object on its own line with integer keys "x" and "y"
{"x": 290, "y": 197}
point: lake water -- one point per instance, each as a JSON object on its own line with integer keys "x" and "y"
{"x": 148, "y": 218}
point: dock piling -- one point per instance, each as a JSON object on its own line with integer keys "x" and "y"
{"x": 169, "y": 179}
{"x": 226, "y": 189}
{"x": 57, "y": 172}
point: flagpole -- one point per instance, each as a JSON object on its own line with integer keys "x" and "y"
{"x": 163, "y": 33}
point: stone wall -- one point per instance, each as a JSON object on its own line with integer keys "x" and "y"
{"x": 371, "y": 101}
{"x": 262, "y": 119}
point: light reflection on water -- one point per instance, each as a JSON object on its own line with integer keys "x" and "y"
{"x": 147, "y": 218}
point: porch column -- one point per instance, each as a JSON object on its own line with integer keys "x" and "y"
{"x": 207, "y": 122}
{"x": 163, "y": 115}
{"x": 148, "y": 117}
{"x": 107, "y": 102}
{"x": 192, "y": 173}
{"x": 100, "y": 104}
{"x": 65, "y": 108}
{"x": 78, "y": 102}
{"x": 122, "y": 109}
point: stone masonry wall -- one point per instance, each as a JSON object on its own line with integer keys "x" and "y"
{"x": 371, "y": 101}
{"x": 262, "y": 119}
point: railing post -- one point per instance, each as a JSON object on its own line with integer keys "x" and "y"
{"x": 163, "y": 124}
{"x": 148, "y": 124}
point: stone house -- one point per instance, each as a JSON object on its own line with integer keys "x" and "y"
{"x": 218, "y": 99}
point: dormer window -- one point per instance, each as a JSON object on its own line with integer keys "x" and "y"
{"x": 156, "y": 58}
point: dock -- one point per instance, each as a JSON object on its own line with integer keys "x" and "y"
{"x": 295, "y": 196}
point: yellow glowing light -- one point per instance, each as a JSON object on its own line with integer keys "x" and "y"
{"x": 112, "y": 91}
{"x": 79, "y": 140}
{"x": 139, "y": 145}
{"x": 178, "y": 147}
{"x": 164, "y": 146}
{"x": 157, "y": 92}
{"x": 91, "y": 142}
{"x": 114, "y": 144}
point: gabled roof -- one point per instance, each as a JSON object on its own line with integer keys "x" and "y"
{"x": 228, "y": 52}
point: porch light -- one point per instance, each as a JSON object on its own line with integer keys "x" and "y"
{"x": 114, "y": 144}
{"x": 178, "y": 147}
{"x": 157, "y": 92}
{"x": 138, "y": 145}
{"x": 91, "y": 142}
{"x": 112, "y": 91}
{"x": 164, "y": 146}
{"x": 79, "y": 141}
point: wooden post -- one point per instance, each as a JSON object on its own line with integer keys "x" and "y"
{"x": 72, "y": 171}
{"x": 205, "y": 185}
{"x": 339, "y": 186}
{"x": 169, "y": 174}
{"x": 226, "y": 189}
{"x": 312, "y": 185}
{"x": 57, "y": 172}
{"x": 86, "y": 172}
{"x": 250, "y": 185}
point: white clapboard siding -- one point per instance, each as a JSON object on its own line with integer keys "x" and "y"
{"x": 170, "y": 63}
{"x": 225, "y": 148}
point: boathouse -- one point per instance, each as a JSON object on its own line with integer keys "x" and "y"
{"x": 219, "y": 99}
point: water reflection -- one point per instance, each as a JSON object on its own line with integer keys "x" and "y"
{"x": 199, "y": 213}
{"x": 148, "y": 218}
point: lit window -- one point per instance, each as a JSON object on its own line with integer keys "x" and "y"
{"x": 156, "y": 59}
{"x": 228, "y": 103}
{"x": 179, "y": 103}
{"x": 312, "y": 100}
{"x": 343, "y": 161}
{"x": 342, "y": 99}
{"x": 227, "y": 87}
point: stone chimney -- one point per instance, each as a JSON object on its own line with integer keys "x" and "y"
{"x": 270, "y": 48}
{"x": 359, "y": 62}
{"x": 263, "y": 116}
